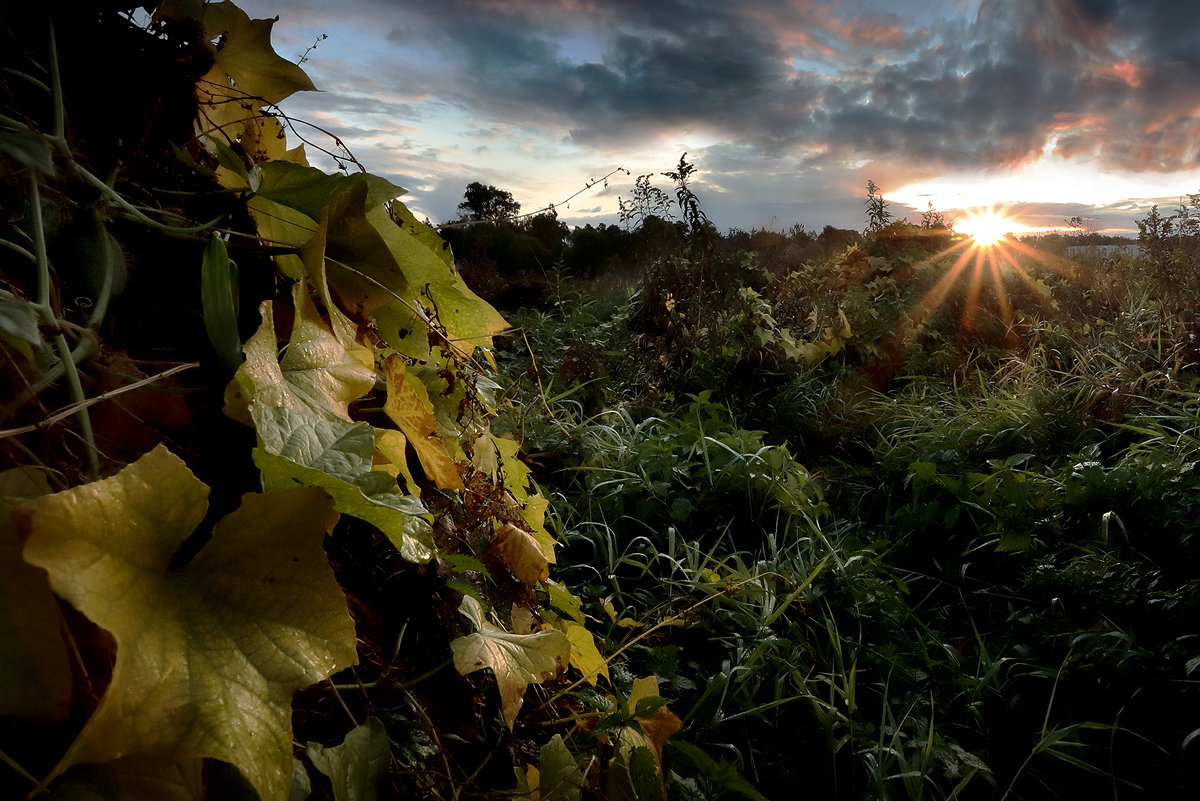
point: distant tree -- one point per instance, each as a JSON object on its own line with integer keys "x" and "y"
{"x": 1153, "y": 232}
{"x": 1081, "y": 225}
{"x": 594, "y": 249}
{"x": 547, "y": 230}
{"x": 834, "y": 240}
{"x": 486, "y": 202}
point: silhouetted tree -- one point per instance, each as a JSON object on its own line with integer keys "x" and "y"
{"x": 486, "y": 202}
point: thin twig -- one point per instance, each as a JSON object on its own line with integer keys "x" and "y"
{"x": 75, "y": 408}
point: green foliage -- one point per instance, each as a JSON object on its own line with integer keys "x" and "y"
{"x": 1171, "y": 245}
{"x": 1004, "y": 448}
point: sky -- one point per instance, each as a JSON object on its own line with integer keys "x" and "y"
{"x": 1044, "y": 109}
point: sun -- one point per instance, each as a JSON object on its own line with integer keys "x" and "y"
{"x": 989, "y": 255}
{"x": 986, "y": 229}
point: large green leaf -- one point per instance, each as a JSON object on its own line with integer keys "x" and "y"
{"x": 298, "y": 405}
{"x": 313, "y": 192}
{"x": 516, "y": 660}
{"x": 379, "y": 260}
{"x": 559, "y": 776}
{"x": 210, "y": 653}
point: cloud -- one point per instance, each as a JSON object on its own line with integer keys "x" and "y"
{"x": 827, "y": 88}
{"x": 991, "y": 91}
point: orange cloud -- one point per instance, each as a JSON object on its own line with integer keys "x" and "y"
{"x": 1125, "y": 71}
{"x": 865, "y": 32}
{"x": 1064, "y": 121}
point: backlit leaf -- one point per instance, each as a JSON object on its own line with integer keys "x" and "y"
{"x": 247, "y": 57}
{"x": 408, "y": 412}
{"x": 516, "y": 660}
{"x": 210, "y": 653}
{"x": 530, "y": 505}
{"x": 585, "y": 656}
{"x": 317, "y": 377}
{"x": 362, "y": 493}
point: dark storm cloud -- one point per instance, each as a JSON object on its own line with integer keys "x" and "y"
{"x": 988, "y": 91}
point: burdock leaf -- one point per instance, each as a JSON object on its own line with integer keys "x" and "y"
{"x": 517, "y": 660}
{"x": 298, "y": 404}
{"x": 369, "y": 495}
{"x": 209, "y": 653}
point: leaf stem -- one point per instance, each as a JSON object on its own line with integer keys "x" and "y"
{"x": 39, "y": 253}
{"x": 134, "y": 211}
{"x": 65, "y": 354}
{"x": 12, "y": 763}
{"x": 60, "y": 117}
{"x": 85, "y": 420}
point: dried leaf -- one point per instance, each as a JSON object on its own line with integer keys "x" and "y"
{"x": 522, "y": 554}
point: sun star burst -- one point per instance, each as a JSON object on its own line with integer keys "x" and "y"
{"x": 986, "y": 229}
